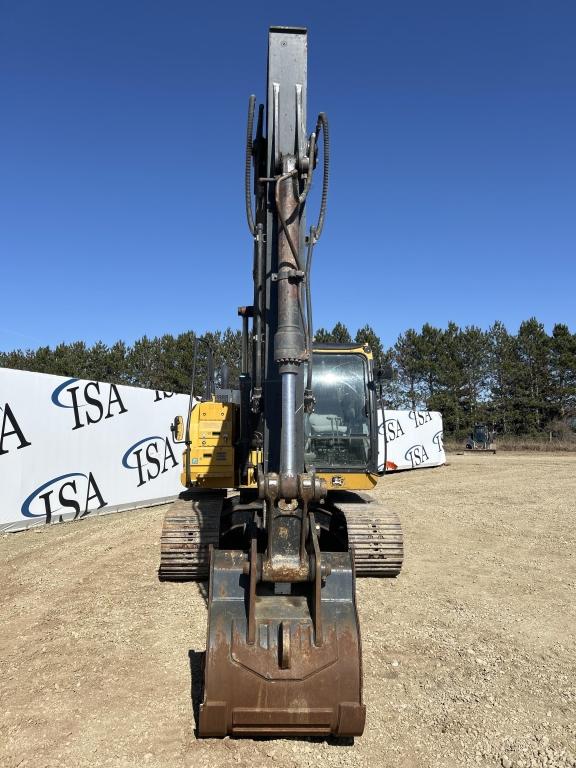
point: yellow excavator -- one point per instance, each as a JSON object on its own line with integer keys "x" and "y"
{"x": 274, "y": 513}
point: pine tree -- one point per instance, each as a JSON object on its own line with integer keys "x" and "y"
{"x": 367, "y": 335}
{"x": 525, "y": 384}
{"x": 322, "y": 336}
{"x": 474, "y": 352}
{"x": 502, "y": 357}
{"x": 340, "y": 334}
{"x": 443, "y": 364}
{"x": 97, "y": 364}
{"x": 532, "y": 375}
{"x": 407, "y": 351}
{"x": 563, "y": 371}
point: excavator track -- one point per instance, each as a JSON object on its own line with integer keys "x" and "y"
{"x": 375, "y": 536}
{"x": 190, "y": 526}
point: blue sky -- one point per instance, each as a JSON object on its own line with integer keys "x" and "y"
{"x": 453, "y": 184}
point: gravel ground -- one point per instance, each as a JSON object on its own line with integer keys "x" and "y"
{"x": 469, "y": 656}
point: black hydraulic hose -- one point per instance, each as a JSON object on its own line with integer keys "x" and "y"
{"x": 302, "y": 316}
{"x": 259, "y": 309}
{"x": 248, "y": 165}
{"x": 323, "y": 123}
{"x": 315, "y": 232}
{"x": 309, "y": 329}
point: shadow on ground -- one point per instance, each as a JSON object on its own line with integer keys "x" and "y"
{"x": 196, "y": 660}
{"x": 203, "y": 591}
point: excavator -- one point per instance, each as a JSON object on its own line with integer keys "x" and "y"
{"x": 275, "y": 512}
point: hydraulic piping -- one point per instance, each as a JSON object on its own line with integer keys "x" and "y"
{"x": 314, "y": 233}
{"x": 248, "y": 164}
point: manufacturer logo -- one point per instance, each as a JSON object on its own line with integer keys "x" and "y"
{"x": 89, "y": 401}
{"x": 420, "y": 417}
{"x": 392, "y": 430}
{"x": 74, "y": 492}
{"x": 9, "y": 428}
{"x": 416, "y": 455}
{"x": 152, "y": 456}
{"x": 438, "y": 440}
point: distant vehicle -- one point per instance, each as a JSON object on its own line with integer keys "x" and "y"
{"x": 481, "y": 439}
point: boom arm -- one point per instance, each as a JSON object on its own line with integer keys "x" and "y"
{"x": 284, "y": 163}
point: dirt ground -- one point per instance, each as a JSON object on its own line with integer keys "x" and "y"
{"x": 469, "y": 656}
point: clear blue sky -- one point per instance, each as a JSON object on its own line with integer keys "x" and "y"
{"x": 453, "y": 186}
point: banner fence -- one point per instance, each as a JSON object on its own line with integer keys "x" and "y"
{"x": 71, "y": 448}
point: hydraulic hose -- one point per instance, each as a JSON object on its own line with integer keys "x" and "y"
{"x": 314, "y": 236}
{"x": 309, "y": 331}
{"x": 259, "y": 303}
{"x": 323, "y": 124}
{"x": 248, "y": 164}
{"x": 315, "y": 232}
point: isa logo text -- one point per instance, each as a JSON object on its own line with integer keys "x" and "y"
{"x": 420, "y": 418}
{"x": 90, "y": 402}
{"x": 416, "y": 455}
{"x": 392, "y": 430}
{"x": 12, "y": 436}
{"x": 65, "y": 497}
{"x": 438, "y": 441}
{"x": 151, "y": 457}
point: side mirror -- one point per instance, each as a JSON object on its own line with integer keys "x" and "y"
{"x": 177, "y": 428}
{"x": 386, "y": 373}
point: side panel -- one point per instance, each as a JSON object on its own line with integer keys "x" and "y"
{"x": 211, "y": 452}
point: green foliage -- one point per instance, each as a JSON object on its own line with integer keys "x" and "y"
{"x": 338, "y": 335}
{"x": 163, "y": 362}
{"x": 523, "y": 384}
{"x": 367, "y": 335}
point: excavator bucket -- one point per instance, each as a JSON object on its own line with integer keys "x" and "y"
{"x": 281, "y": 663}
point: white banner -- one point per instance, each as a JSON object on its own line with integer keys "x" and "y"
{"x": 71, "y": 448}
{"x": 410, "y": 440}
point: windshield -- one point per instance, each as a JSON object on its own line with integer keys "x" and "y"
{"x": 337, "y": 432}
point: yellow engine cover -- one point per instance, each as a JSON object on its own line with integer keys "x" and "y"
{"x": 211, "y": 451}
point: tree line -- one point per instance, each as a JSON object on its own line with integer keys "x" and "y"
{"x": 522, "y": 384}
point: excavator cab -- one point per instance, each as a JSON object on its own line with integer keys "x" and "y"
{"x": 341, "y": 431}
{"x": 273, "y": 512}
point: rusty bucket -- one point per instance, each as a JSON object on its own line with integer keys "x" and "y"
{"x": 280, "y": 661}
